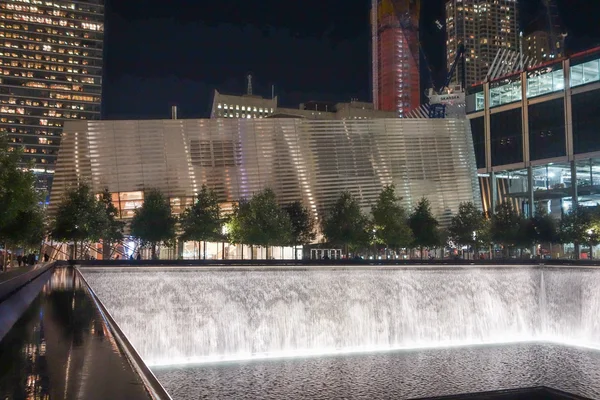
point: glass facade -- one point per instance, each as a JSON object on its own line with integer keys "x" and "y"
{"x": 478, "y": 132}
{"x": 584, "y": 72}
{"x": 506, "y": 137}
{"x": 475, "y": 100}
{"x": 50, "y": 71}
{"x": 505, "y": 91}
{"x": 586, "y": 121}
{"x": 545, "y": 80}
{"x": 547, "y": 130}
{"x": 543, "y": 149}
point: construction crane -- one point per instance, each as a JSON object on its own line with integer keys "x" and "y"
{"x": 551, "y": 12}
{"x": 440, "y": 98}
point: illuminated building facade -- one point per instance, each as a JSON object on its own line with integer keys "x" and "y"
{"x": 245, "y": 106}
{"x": 538, "y": 46}
{"x": 312, "y": 161}
{"x": 484, "y": 27}
{"x": 535, "y": 136}
{"x": 50, "y": 71}
{"x": 395, "y": 58}
{"x": 252, "y": 106}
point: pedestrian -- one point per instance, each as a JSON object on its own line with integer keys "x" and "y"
{"x": 19, "y": 260}
{"x": 139, "y": 256}
{"x": 46, "y": 257}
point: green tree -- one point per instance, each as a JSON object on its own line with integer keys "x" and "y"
{"x": 544, "y": 227}
{"x": 79, "y": 218}
{"x": 202, "y": 221}
{"x": 390, "y": 221}
{"x": 303, "y": 225}
{"x": 467, "y": 227}
{"x": 239, "y": 223}
{"x": 260, "y": 222}
{"x": 580, "y": 227}
{"x": 26, "y": 230}
{"x": 153, "y": 223}
{"x": 424, "y": 226}
{"x": 506, "y": 227}
{"x": 346, "y": 225}
{"x": 21, "y": 219}
{"x": 112, "y": 231}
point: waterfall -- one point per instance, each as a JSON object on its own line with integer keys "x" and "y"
{"x": 177, "y": 315}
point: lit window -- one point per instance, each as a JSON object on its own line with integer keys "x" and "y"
{"x": 254, "y": 109}
{"x": 248, "y": 116}
{"x": 260, "y": 110}
{"x": 219, "y": 106}
{"x": 243, "y": 108}
{"x": 237, "y": 107}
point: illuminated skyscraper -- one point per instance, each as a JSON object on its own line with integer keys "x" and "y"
{"x": 50, "y": 71}
{"x": 483, "y": 27}
{"x": 395, "y": 45}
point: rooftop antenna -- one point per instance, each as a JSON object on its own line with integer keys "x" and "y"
{"x": 249, "y": 90}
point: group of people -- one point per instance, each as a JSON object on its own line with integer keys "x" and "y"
{"x": 22, "y": 260}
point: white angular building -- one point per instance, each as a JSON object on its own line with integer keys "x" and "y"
{"x": 308, "y": 160}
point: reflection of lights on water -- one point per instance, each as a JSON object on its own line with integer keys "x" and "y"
{"x": 358, "y": 350}
{"x": 322, "y": 352}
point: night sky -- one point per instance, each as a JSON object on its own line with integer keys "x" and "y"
{"x": 160, "y": 53}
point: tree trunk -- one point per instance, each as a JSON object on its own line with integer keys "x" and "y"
{"x": 251, "y": 252}
{"x": 105, "y": 249}
{"x": 295, "y": 252}
{"x": 591, "y": 252}
{"x": 550, "y": 246}
{"x": 153, "y": 244}
{"x": 222, "y": 250}
{"x": 421, "y": 252}
{"x": 204, "y": 251}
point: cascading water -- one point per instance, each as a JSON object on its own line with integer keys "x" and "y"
{"x": 195, "y": 315}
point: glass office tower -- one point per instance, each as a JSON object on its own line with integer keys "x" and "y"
{"x": 50, "y": 71}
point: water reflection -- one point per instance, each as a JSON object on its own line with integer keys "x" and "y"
{"x": 61, "y": 348}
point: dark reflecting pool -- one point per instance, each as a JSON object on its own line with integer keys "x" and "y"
{"x": 61, "y": 348}
{"x": 395, "y": 375}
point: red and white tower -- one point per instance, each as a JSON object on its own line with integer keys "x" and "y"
{"x": 395, "y": 36}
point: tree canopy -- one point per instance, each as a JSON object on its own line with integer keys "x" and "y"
{"x": 390, "y": 220}
{"x": 506, "y": 226}
{"x": 424, "y": 226}
{"x": 303, "y": 224}
{"x": 346, "y": 225}
{"x": 468, "y": 227}
{"x": 153, "y": 222}
{"x": 21, "y": 217}
{"x": 260, "y": 221}
{"x": 545, "y": 228}
{"x": 79, "y": 218}
{"x": 202, "y": 220}
{"x": 112, "y": 231}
